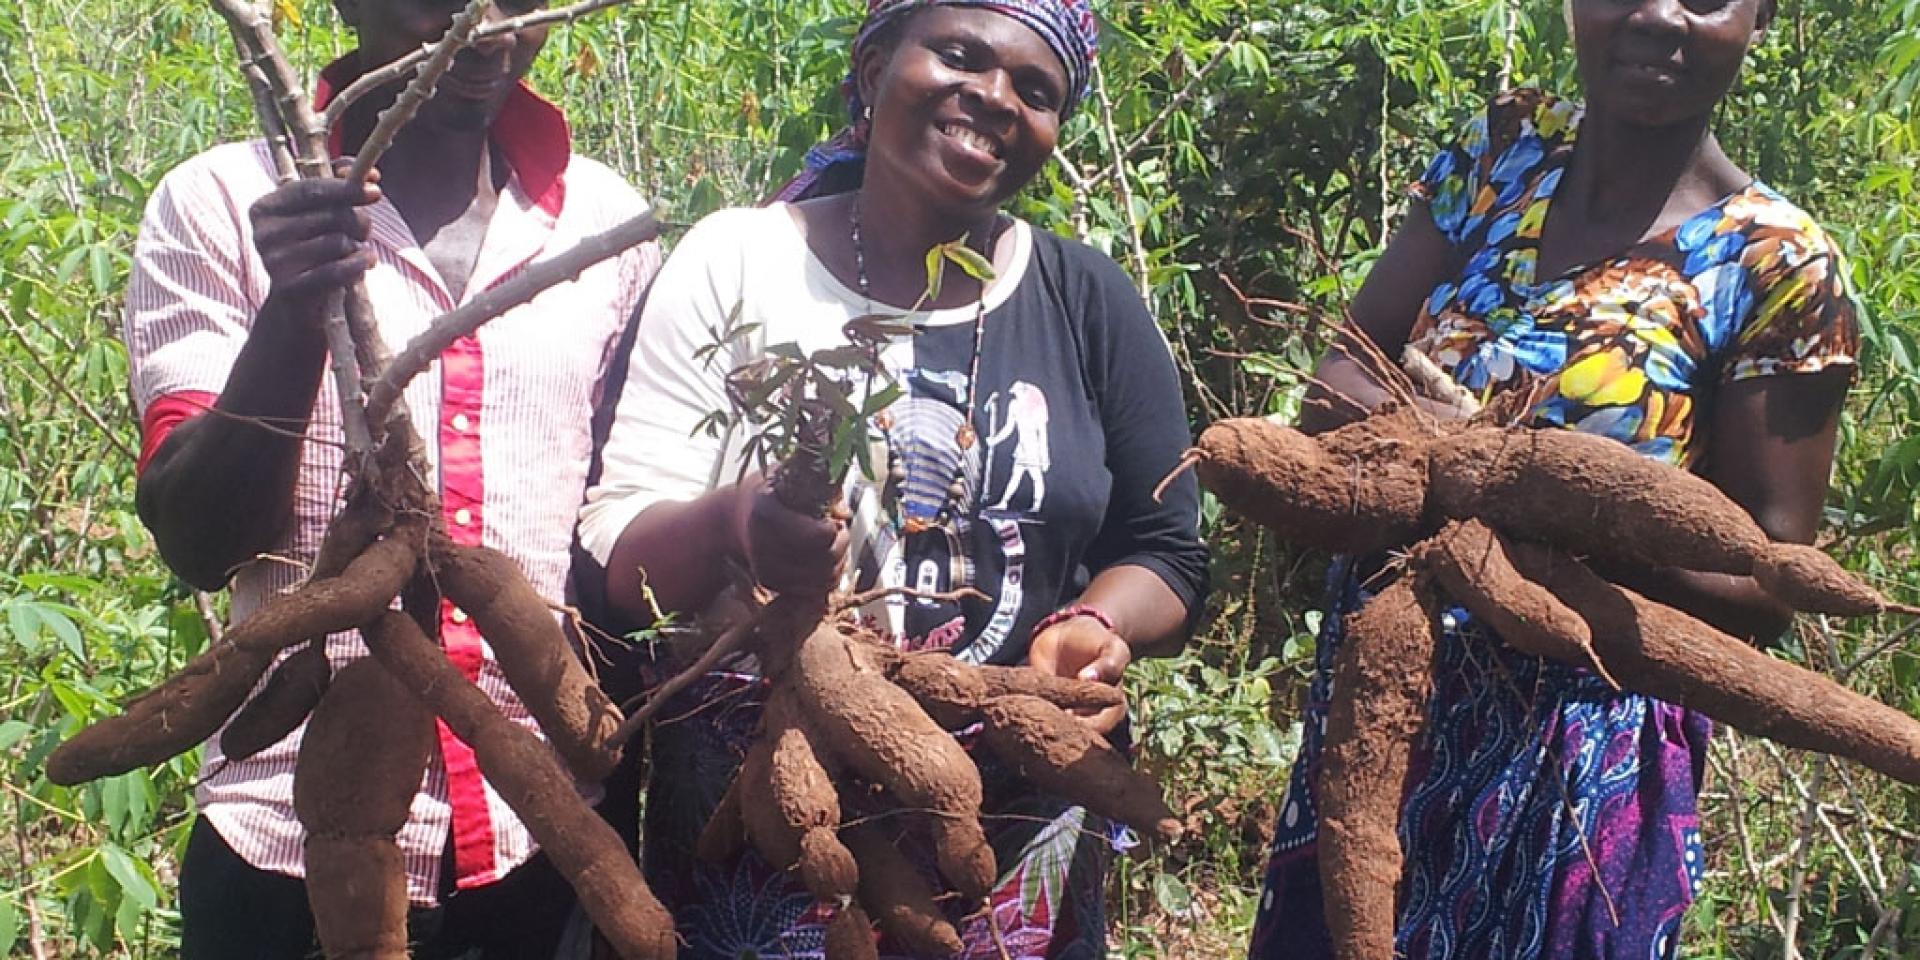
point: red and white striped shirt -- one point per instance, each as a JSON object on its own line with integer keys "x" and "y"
{"x": 505, "y": 414}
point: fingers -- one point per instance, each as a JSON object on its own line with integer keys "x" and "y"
{"x": 1106, "y": 720}
{"x": 791, "y": 552}
{"x": 317, "y": 263}
{"x": 1083, "y": 648}
{"x": 1111, "y": 663}
{"x": 312, "y": 234}
{"x": 1080, "y": 647}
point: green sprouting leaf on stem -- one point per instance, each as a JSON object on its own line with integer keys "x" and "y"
{"x": 936, "y": 271}
{"x": 968, "y": 260}
{"x": 882, "y": 399}
{"x": 876, "y": 329}
{"x": 836, "y": 397}
{"x": 1172, "y": 894}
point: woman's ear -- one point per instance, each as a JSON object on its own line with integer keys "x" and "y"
{"x": 868, "y": 70}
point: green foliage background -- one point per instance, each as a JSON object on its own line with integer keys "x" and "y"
{"x": 1258, "y": 140}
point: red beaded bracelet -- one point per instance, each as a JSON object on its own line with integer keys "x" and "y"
{"x": 1071, "y": 611}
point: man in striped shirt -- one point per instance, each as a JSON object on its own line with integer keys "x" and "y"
{"x": 224, "y": 307}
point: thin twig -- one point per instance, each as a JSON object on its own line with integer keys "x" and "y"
{"x": 1802, "y": 867}
{"x": 259, "y": 51}
{"x": 69, "y": 186}
{"x": 203, "y": 603}
{"x": 1893, "y": 640}
{"x": 425, "y": 348}
{"x": 59, "y": 383}
{"x": 459, "y": 35}
{"x": 1180, "y": 100}
{"x": 279, "y": 139}
{"x": 383, "y": 75}
{"x": 722, "y": 647}
{"x": 1747, "y": 858}
{"x": 1136, "y": 244}
{"x": 855, "y": 601}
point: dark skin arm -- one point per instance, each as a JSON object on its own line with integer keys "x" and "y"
{"x": 220, "y": 489}
{"x": 1770, "y": 440}
{"x": 1149, "y": 620}
{"x": 1770, "y": 449}
{"x": 1416, "y": 260}
{"x": 680, "y": 550}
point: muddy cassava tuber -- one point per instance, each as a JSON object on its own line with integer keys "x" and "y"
{"x": 1493, "y": 518}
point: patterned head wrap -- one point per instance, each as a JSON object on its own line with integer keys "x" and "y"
{"x": 1067, "y": 26}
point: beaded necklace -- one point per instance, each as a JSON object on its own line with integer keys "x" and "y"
{"x": 965, "y": 436}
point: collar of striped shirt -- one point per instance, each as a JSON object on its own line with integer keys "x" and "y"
{"x": 531, "y": 131}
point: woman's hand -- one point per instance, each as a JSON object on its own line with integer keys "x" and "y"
{"x": 1083, "y": 648}
{"x": 788, "y": 552}
{"x": 311, "y": 235}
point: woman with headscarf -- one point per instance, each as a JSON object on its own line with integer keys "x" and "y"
{"x": 1613, "y": 269}
{"x": 1039, "y": 410}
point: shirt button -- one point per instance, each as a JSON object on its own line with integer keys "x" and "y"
{"x": 462, "y": 423}
{"x": 459, "y": 615}
{"x": 463, "y": 516}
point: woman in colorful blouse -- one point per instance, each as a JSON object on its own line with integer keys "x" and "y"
{"x": 1038, "y": 412}
{"x": 1613, "y": 262}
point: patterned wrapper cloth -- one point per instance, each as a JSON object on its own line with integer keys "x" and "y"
{"x": 1068, "y": 27}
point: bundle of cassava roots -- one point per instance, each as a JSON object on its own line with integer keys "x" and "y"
{"x": 1505, "y": 521}
{"x": 854, "y": 768}
{"x": 848, "y": 716}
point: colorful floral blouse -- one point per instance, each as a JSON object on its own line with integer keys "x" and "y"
{"x": 1549, "y": 816}
{"x": 1748, "y": 287}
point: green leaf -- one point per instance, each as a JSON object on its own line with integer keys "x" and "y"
{"x": 1172, "y": 894}
{"x": 935, "y": 272}
{"x": 12, "y": 732}
{"x": 100, "y": 269}
{"x": 57, "y": 623}
{"x": 23, "y": 620}
{"x": 134, "y": 882}
{"x": 113, "y": 804}
{"x": 882, "y": 399}
{"x": 968, "y": 260}
{"x": 9, "y": 927}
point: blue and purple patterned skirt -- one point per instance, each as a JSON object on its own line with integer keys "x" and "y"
{"x": 1547, "y": 817}
{"x": 1053, "y": 857}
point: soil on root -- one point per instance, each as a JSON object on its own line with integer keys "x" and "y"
{"x": 530, "y": 778}
{"x": 1659, "y": 651}
{"x": 533, "y": 653}
{"x": 361, "y": 762}
{"x": 1383, "y": 678}
{"x": 291, "y": 692}
{"x": 1594, "y": 495}
{"x": 1368, "y": 496}
{"x": 188, "y": 707}
{"x": 1469, "y": 561}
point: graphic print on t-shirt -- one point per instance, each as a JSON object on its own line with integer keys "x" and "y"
{"x": 950, "y": 474}
{"x": 1026, "y": 425}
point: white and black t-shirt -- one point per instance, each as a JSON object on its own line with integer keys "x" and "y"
{"x": 1076, "y": 418}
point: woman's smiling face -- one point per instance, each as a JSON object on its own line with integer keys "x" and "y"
{"x": 966, "y": 106}
{"x": 1660, "y": 62}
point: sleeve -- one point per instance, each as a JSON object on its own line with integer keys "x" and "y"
{"x": 1147, "y": 434}
{"x": 1804, "y": 318}
{"x": 190, "y": 298}
{"x": 661, "y": 445}
{"x": 1452, "y": 179}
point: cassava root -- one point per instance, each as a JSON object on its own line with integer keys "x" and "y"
{"x": 186, "y": 708}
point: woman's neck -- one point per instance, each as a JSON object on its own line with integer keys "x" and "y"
{"x": 895, "y": 234}
{"x": 1620, "y": 168}
{"x": 445, "y": 165}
